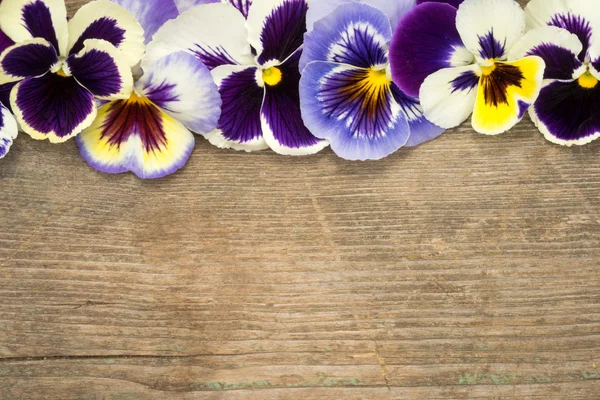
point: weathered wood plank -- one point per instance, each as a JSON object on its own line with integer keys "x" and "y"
{"x": 466, "y": 268}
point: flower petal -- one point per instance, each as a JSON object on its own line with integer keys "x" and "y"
{"x": 281, "y": 120}
{"x": 183, "y": 87}
{"x": 214, "y": 33}
{"x": 505, "y": 94}
{"x": 425, "y": 41}
{"x": 8, "y": 130}
{"x": 239, "y": 126}
{"x": 25, "y": 19}
{"x": 5, "y": 93}
{"x": 453, "y": 3}
{"x": 576, "y": 16}
{"x": 421, "y": 130}
{"x": 556, "y": 46}
{"x": 102, "y": 69}
{"x": 567, "y": 113}
{"x": 394, "y": 10}
{"x": 151, "y": 14}
{"x": 52, "y": 107}
{"x": 105, "y": 20}
{"x": 353, "y": 34}
{"x": 354, "y": 109}
{"x": 448, "y": 95}
{"x": 134, "y": 135}
{"x": 489, "y": 28}
{"x": 5, "y": 41}
{"x": 276, "y": 29}
{"x": 30, "y": 58}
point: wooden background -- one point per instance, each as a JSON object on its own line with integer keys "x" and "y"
{"x": 465, "y": 269}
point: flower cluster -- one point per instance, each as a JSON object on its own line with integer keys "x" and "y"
{"x": 132, "y": 79}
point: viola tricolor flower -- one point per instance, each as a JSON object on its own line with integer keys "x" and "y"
{"x": 458, "y": 63}
{"x": 346, "y": 91}
{"x": 254, "y": 62}
{"x": 61, "y": 67}
{"x": 149, "y": 132}
{"x": 566, "y": 34}
{"x": 8, "y": 125}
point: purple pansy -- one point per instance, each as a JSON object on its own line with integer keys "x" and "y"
{"x": 459, "y": 63}
{"x": 254, "y": 62}
{"x": 150, "y": 132}
{"x": 566, "y": 35}
{"x": 347, "y": 94}
{"x": 59, "y": 68}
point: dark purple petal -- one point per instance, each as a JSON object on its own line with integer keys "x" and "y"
{"x": 560, "y": 62}
{"x": 576, "y": 25}
{"x": 283, "y": 31}
{"x": 32, "y": 59}
{"x": 240, "y": 112}
{"x": 37, "y": 19}
{"x": 97, "y": 71}
{"x": 53, "y": 105}
{"x": 104, "y": 28}
{"x": 5, "y": 94}
{"x": 453, "y": 3}
{"x": 5, "y": 41}
{"x": 283, "y": 127}
{"x": 424, "y": 42}
{"x": 569, "y": 112}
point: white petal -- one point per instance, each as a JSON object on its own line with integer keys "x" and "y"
{"x": 215, "y": 33}
{"x": 448, "y": 96}
{"x": 489, "y": 28}
{"x": 103, "y": 19}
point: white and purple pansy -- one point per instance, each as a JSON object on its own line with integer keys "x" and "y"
{"x": 254, "y": 62}
{"x": 566, "y": 34}
{"x": 150, "y": 132}
{"x": 346, "y": 91}
{"x": 59, "y": 68}
{"x": 8, "y": 125}
{"x": 458, "y": 62}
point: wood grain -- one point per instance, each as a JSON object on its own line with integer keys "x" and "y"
{"x": 465, "y": 269}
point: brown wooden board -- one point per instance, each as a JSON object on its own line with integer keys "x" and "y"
{"x": 467, "y": 268}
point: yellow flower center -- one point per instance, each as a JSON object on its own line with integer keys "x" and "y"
{"x": 61, "y": 72}
{"x": 587, "y": 81}
{"x": 486, "y": 71}
{"x": 378, "y": 77}
{"x": 272, "y": 76}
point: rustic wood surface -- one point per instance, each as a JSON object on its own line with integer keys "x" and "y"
{"x": 465, "y": 269}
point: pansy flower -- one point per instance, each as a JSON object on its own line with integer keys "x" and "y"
{"x": 61, "y": 67}
{"x": 458, "y": 63}
{"x": 254, "y": 62}
{"x": 566, "y": 34}
{"x": 347, "y": 94}
{"x": 149, "y": 132}
{"x": 8, "y": 125}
